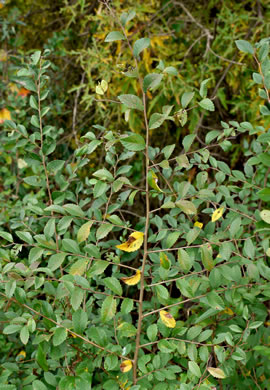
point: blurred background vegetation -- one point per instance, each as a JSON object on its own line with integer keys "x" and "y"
{"x": 196, "y": 37}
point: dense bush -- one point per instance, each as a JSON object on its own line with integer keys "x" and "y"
{"x": 134, "y": 255}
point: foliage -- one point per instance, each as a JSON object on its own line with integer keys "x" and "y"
{"x": 152, "y": 270}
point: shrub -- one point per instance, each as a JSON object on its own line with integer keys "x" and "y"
{"x": 152, "y": 271}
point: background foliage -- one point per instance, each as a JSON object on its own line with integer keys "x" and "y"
{"x": 181, "y": 156}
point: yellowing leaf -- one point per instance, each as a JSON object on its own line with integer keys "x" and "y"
{"x": 84, "y": 231}
{"x": 4, "y": 115}
{"x": 21, "y": 355}
{"x": 126, "y": 366}
{"x": 216, "y": 372}
{"x": 198, "y": 224}
{"x": 228, "y": 311}
{"x": 167, "y": 319}
{"x": 217, "y": 214}
{"x": 102, "y": 87}
{"x": 164, "y": 261}
{"x": 153, "y": 180}
{"x": 134, "y": 242}
{"x": 132, "y": 280}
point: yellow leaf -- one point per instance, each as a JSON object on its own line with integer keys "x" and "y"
{"x": 134, "y": 242}
{"x": 217, "y": 214}
{"x": 132, "y": 280}
{"x": 167, "y": 319}
{"x": 126, "y": 366}
{"x": 84, "y": 231}
{"x": 21, "y": 355}
{"x": 4, "y": 115}
{"x": 216, "y": 372}
{"x": 198, "y": 224}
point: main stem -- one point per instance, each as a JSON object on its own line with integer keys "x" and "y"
{"x": 147, "y": 214}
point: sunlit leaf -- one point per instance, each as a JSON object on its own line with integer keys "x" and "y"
{"x": 216, "y": 372}
{"x": 132, "y": 280}
{"x": 167, "y": 319}
{"x": 134, "y": 242}
{"x": 217, "y": 214}
{"x": 126, "y": 366}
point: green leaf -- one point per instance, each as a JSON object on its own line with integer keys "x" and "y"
{"x": 103, "y": 230}
{"x": 215, "y": 301}
{"x": 244, "y": 46}
{"x": 56, "y": 261}
{"x": 167, "y": 151}
{"x": 131, "y": 101}
{"x": 264, "y": 158}
{"x": 171, "y": 239}
{"x": 264, "y": 194}
{"x": 10, "y": 329}
{"x": 38, "y": 385}
{"x": 32, "y": 181}
{"x": 115, "y": 220}
{"x": 127, "y": 330}
{"x": 171, "y": 70}
{"x": 103, "y": 174}
{"x": 133, "y": 142}
{"x": 186, "y": 206}
{"x": 194, "y": 369}
{"x": 203, "y": 88}
{"x": 207, "y": 256}
{"x": 41, "y": 358}
{"x": 78, "y": 268}
{"x": 35, "y": 57}
{"x": 184, "y": 260}
{"x": 151, "y": 81}
{"x": 100, "y": 188}
{"x": 35, "y": 121}
{"x": 207, "y": 104}
{"x": 113, "y": 284}
{"x": 73, "y": 209}
{"x": 186, "y": 98}
{"x": 152, "y": 331}
{"x": 140, "y": 45}
{"x": 76, "y": 298}
{"x": 98, "y": 267}
{"x": 181, "y": 115}
{"x": 55, "y": 165}
{"x": 126, "y": 17}
{"x": 127, "y": 306}
{"x": 69, "y": 245}
{"x": 84, "y": 231}
{"x": 188, "y": 141}
{"x": 33, "y": 102}
{"x": 25, "y": 236}
{"x": 60, "y": 335}
{"x": 79, "y": 321}
{"x": 7, "y": 236}
{"x": 49, "y": 229}
{"x": 156, "y": 120}
{"x": 24, "y": 335}
{"x": 192, "y": 235}
{"x": 193, "y": 332}
{"x": 108, "y": 309}
{"x": 114, "y": 36}
{"x": 10, "y": 288}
